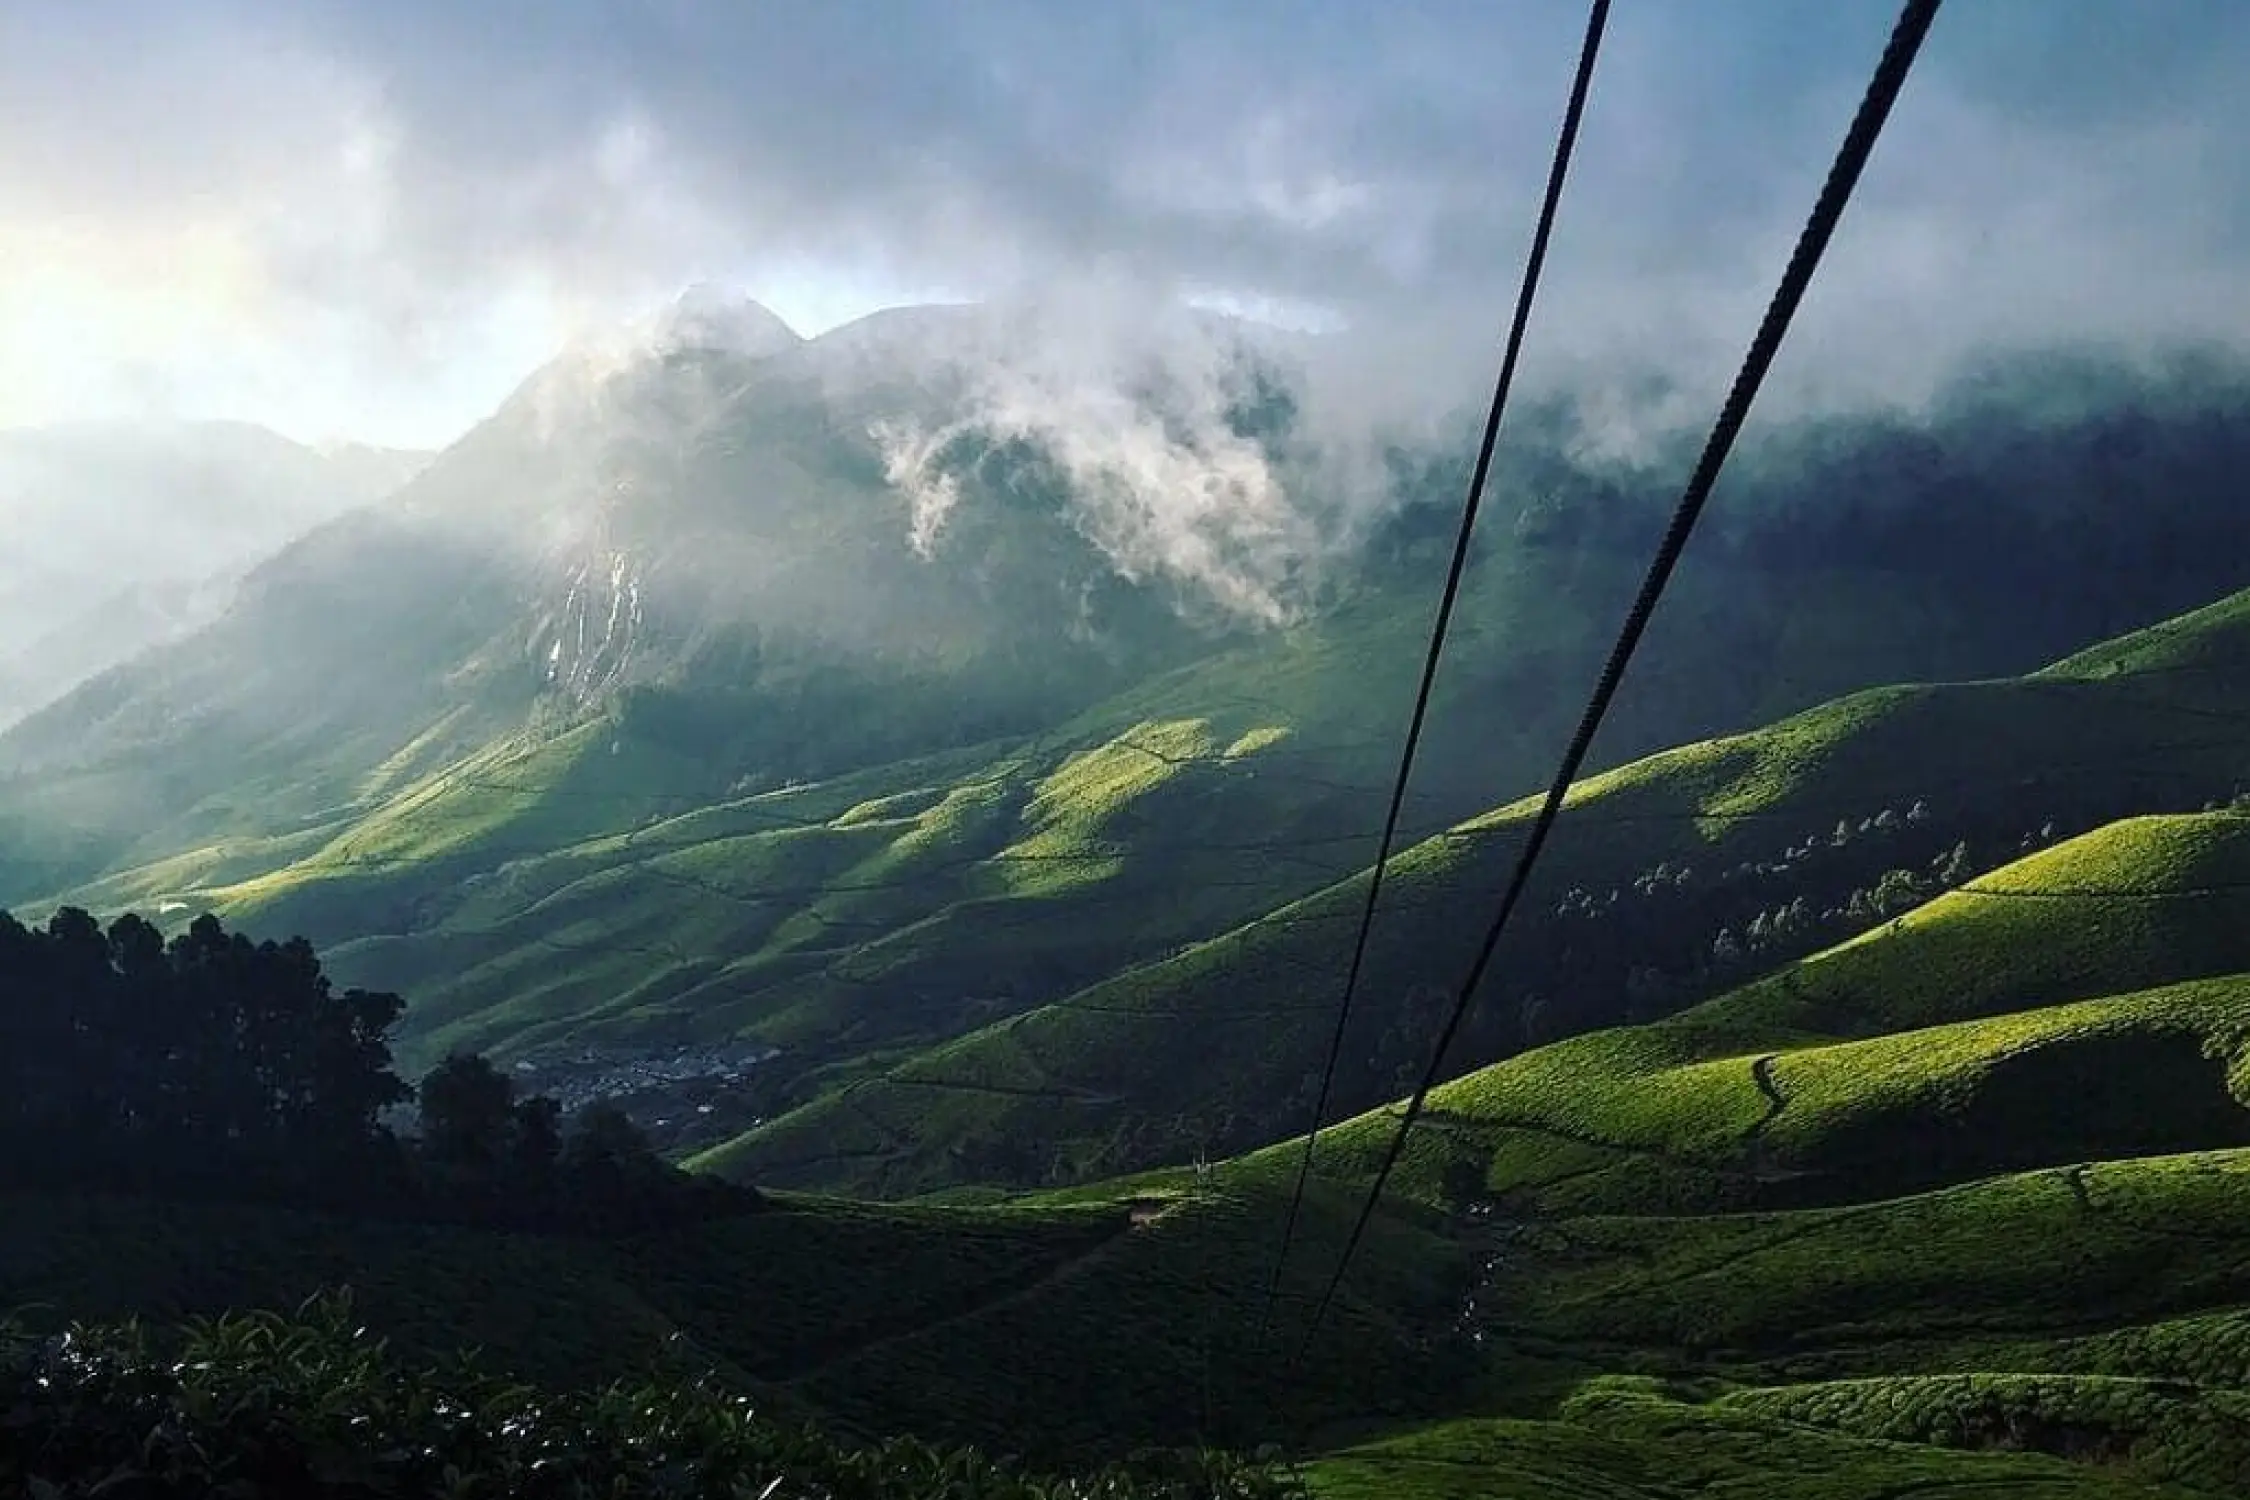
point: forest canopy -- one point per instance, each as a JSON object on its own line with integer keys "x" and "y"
{"x": 212, "y": 1064}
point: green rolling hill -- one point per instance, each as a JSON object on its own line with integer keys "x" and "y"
{"x": 1942, "y": 1194}
{"x": 1982, "y": 1019}
{"x": 590, "y": 886}
{"x": 1674, "y": 875}
{"x": 1955, "y": 1207}
{"x": 927, "y": 774}
{"x": 553, "y": 889}
{"x": 641, "y": 733}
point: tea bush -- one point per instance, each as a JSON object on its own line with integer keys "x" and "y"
{"x": 310, "y": 1407}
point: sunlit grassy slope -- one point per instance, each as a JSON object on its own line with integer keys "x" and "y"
{"x": 1957, "y": 1208}
{"x": 589, "y": 883}
{"x": 950, "y": 888}
{"x": 2154, "y": 721}
{"x": 2076, "y": 1332}
{"x": 2077, "y": 1329}
{"x": 597, "y": 880}
{"x": 2089, "y": 998}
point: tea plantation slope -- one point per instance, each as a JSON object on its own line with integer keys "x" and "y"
{"x": 596, "y": 886}
{"x": 950, "y": 887}
{"x": 1219, "y": 1046}
{"x": 2201, "y": 649}
{"x": 2080, "y": 1331}
{"x": 607, "y": 884}
{"x": 1060, "y": 1325}
{"x": 2085, "y": 1002}
{"x": 2078, "y": 1270}
{"x": 2140, "y": 902}
{"x": 1100, "y": 1324}
{"x": 1631, "y": 1442}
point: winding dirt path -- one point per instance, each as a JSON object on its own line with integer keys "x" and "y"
{"x": 1761, "y": 1074}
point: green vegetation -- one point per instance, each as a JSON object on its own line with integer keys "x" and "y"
{"x": 245, "y": 1103}
{"x": 1118, "y": 1330}
{"x": 756, "y": 771}
{"x": 262, "y": 1406}
{"x": 1671, "y": 879}
{"x": 1786, "y": 1238}
{"x": 1887, "y": 1220}
{"x": 1857, "y": 1112}
{"x": 1626, "y": 1441}
{"x": 1847, "y": 1073}
{"x": 212, "y": 1065}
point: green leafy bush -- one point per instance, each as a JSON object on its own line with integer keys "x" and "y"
{"x": 2167, "y": 1429}
{"x": 313, "y": 1408}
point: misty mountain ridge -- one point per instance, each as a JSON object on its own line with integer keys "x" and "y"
{"x": 123, "y": 536}
{"x": 1175, "y": 447}
{"x": 783, "y": 559}
{"x": 675, "y": 723}
{"x": 707, "y": 316}
{"x": 810, "y": 487}
{"x": 711, "y": 525}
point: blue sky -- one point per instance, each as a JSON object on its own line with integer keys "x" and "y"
{"x": 370, "y": 220}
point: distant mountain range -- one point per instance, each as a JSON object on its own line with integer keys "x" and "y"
{"x": 121, "y": 537}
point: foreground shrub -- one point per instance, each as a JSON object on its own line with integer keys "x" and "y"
{"x": 310, "y": 1406}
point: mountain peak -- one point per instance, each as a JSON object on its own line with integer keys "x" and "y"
{"x": 705, "y": 316}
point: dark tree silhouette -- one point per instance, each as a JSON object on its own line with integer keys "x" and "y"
{"x": 535, "y": 1145}
{"x": 215, "y": 1065}
{"x": 468, "y": 1112}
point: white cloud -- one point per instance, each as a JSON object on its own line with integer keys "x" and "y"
{"x": 374, "y": 219}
